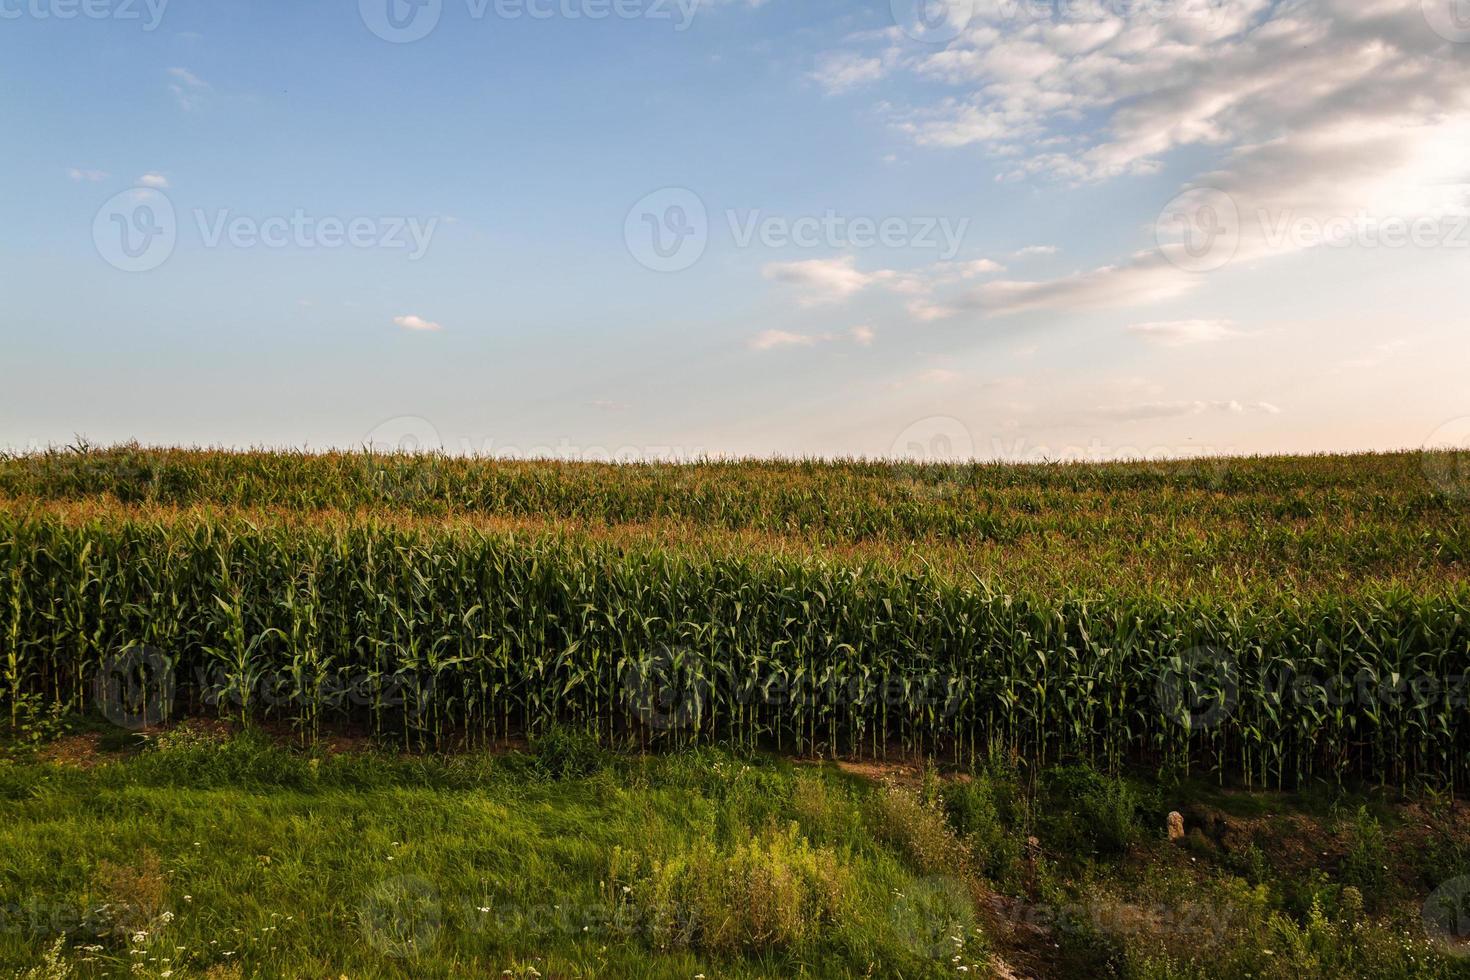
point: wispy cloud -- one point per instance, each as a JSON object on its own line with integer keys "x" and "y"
{"x": 1154, "y": 410}
{"x": 1182, "y": 333}
{"x": 820, "y": 280}
{"x": 938, "y": 376}
{"x": 934, "y": 377}
{"x": 417, "y": 323}
{"x": 1311, "y": 110}
{"x": 862, "y": 336}
{"x": 773, "y": 339}
{"x": 155, "y": 180}
{"x": 843, "y": 71}
{"x": 1375, "y": 357}
{"x": 89, "y": 176}
{"x": 188, "y": 88}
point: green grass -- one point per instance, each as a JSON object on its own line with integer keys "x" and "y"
{"x": 296, "y": 865}
{"x": 202, "y": 856}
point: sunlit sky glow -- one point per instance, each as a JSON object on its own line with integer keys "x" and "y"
{"x": 1007, "y": 228}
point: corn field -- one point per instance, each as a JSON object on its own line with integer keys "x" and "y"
{"x": 150, "y": 586}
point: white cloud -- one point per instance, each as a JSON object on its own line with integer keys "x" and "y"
{"x": 1152, "y": 411}
{"x": 775, "y": 339}
{"x": 1375, "y": 357}
{"x": 772, "y": 339}
{"x": 938, "y": 376}
{"x": 90, "y": 176}
{"x": 188, "y": 88}
{"x": 156, "y": 181}
{"x": 926, "y": 312}
{"x": 1145, "y": 278}
{"x": 1311, "y": 109}
{"x": 418, "y": 323}
{"x": 935, "y": 377}
{"x": 1031, "y": 250}
{"x": 1181, "y": 333}
{"x": 843, "y": 71}
{"x": 950, "y": 271}
{"x": 820, "y": 280}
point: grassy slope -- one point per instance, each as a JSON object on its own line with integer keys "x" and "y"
{"x": 239, "y": 858}
{"x": 379, "y": 867}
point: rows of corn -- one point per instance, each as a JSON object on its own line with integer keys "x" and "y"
{"x": 438, "y": 634}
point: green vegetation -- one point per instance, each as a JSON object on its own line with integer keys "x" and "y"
{"x": 209, "y": 854}
{"x": 1289, "y": 619}
{"x": 351, "y": 715}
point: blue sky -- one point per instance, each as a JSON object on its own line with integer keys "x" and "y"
{"x": 1027, "y": 298}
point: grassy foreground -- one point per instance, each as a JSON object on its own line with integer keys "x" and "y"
{"x": 311, "y": 669}
{"x": 207, "y": 854}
